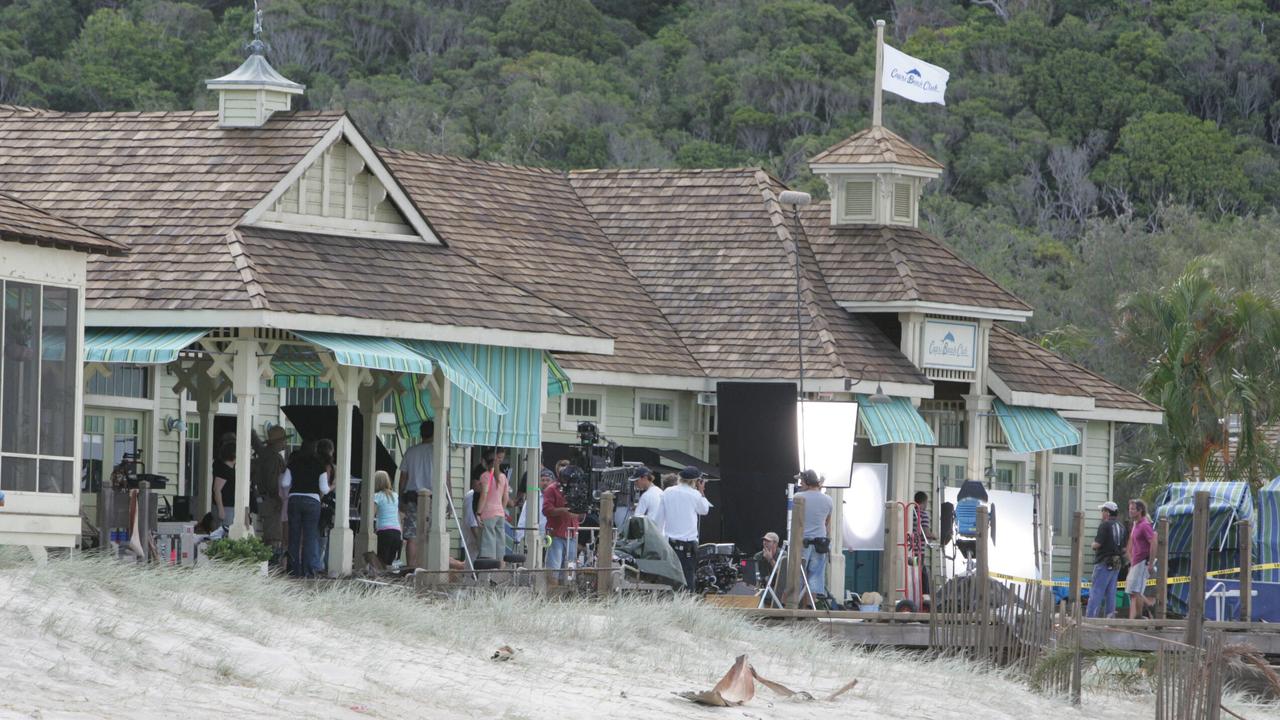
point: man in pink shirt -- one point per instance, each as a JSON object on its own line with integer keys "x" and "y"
{"x": 1141, "y": 563}
{"x": 495, "y": 496}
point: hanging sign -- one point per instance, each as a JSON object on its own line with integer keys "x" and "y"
{"x": 950, "y": 344}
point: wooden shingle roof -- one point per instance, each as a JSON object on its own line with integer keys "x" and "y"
{"x": 1027, "y": 367}
{"x": 875, "y": 145}
{"x": 713, "y": 248}
{"x": 895, "y": 264}
{"x": 20, "y": 222}
{"x": 527, "y": 226}
{"x": 391, "y": 280}
{"x": 170, "y": 184}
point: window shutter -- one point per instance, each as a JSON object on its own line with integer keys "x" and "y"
{"x": 859, "y": 199}
{"x": 902, "y": 201}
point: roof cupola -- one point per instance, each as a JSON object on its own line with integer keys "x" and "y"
{"x": 248, "y": 95}
{"x": 875, "y": 178}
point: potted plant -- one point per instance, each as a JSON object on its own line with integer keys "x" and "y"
{"x": 245, "y": 550}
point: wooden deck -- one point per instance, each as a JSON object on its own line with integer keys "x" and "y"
{"x": 911, "y": 630}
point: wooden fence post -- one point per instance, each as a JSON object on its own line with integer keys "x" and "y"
{"x": 1077, "y": 556}
{"x": 1199, "y": 560}
{"x": 1077, "y": 564}
{"x": 984, "y": 585}
{"x": 795, "y": 554}
{"x": 604, "y": 548}
{"x": 1162, "y": 569}
{"x": 1246, "y": 571}
{"x": 425, "y": 498}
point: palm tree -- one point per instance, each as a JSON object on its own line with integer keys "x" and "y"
{"x": 1213, "y": 363}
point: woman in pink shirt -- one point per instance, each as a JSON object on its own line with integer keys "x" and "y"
{"x": 495, "y": 498}
{"x": 1141, "y": 563}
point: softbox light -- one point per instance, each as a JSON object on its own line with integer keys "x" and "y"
{"x": 864, "y": 507}
{"x": 826, "y": 435}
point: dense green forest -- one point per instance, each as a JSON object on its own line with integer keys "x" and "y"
{"x": 1094, "y": 148}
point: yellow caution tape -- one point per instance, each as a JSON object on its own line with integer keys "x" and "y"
{"x": 1151, "y": 582}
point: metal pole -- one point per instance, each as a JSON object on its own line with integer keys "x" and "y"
{"x": 1246, "y": 571}
{"x": 879, "y": 79}
{"x": 795, "y": 556}
{"x": 1199, "y": 559}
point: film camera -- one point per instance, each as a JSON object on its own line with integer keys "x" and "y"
{"x": 718, "y": 569}
{"x": 593, "y": 472}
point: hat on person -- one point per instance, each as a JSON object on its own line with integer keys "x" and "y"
{"x": 276, "y": 432}
{"x": 690, "y": 472}
{"x": 809, "y": 477}
{"x": 1109, "y": 507}
{"x": 639, "y": 472}
{"x": 546, "y": 473}
{"x": 771, "y": 537}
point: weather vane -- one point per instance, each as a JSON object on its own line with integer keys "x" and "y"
{"x": 257, "y": 47}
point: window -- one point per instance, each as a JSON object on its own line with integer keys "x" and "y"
{"x": 655, "y": 413}
{"x": 309, "y": 396}
{"x": 131, "y": 381}
{"x": 1066, "y": 499}
{"x": 192, "y": 457}
{"x": 1074, "y": 450}
{"x": 38, "y": 387}
{"x": 579, "y": 407}
{"x": 950, "y": 470}
{"x": 902, "y": 201}
{"x": 105, "y": 438}
{"x": 859, "y": 199}
{"x": 1009, "y": 476}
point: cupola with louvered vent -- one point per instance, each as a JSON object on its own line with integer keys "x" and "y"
{"x": 875, "y": 178}
{"x": 248, "y": 95}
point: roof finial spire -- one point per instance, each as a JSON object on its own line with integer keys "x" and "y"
{"x": 257, "y": 47}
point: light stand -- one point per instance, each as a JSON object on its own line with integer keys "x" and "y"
{"x": 783, "y": 553}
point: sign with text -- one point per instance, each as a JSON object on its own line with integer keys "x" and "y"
{"x": 950, "y": 344}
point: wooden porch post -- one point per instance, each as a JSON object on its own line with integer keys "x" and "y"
{"x": 532, "y": 507}
{"x": 245, "y": 381}
{"x": 365, "y": 540}
{"x": 437, "y": 558}
{"x": 341, "y": 539}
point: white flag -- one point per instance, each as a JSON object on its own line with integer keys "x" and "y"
{"x": 913, "y": 79}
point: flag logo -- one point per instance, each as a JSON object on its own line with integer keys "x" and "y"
{"x": 913, "y": 78}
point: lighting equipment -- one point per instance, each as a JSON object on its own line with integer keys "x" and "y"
{"x": 826, "y": 437}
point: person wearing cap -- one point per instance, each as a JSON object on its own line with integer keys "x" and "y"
{"x": 682, "y": 505}
{"x": 817, "y": 530}
{"x": 766, "y": 559}
{"x": 650, "y": 503}
{"x": 1108, "y": 549}
{"x": 562, "y": 524}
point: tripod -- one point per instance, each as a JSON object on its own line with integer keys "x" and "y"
{"x": 783, "y": 553}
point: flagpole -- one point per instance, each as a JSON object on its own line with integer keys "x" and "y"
{"x": 876, "y": 101}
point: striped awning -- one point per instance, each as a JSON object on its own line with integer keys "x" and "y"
{"x": 297, "y": 374}
{"x": 456, "y": 363}
{"x": 558, "y": 382}
{"x": 1030, "y": 429}
{"x": 374, "y": 353}
{"x": 896, "y": 421}
{"x": 515, "y": 376}
{"x": 150, "y": 346}
{"x": 1229, "y": 502}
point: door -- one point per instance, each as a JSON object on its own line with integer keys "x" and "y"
{"x": 107, "y": 436}
{"x": 950, "y": 470}
{"x": 1010, "y": 476}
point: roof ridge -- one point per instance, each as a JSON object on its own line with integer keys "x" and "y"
{"x": 258, "y": 299}
{"x": 475, "y": 161}
{"x": 901, "y": 264}
{"x": 791, "y": 246}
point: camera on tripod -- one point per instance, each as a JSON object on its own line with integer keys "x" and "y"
{"x": 594, "y": 472}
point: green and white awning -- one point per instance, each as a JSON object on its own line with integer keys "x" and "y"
{"x": 558, "y": 382}
{"x": 374, "y": 353}
{"x": 896, "y": 421}
{"x": 456, "y": 363}
{"x": 1030, "y": 429}
{"x": 150, "y": 346}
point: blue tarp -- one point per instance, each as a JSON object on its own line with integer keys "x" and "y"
{"x": 1266, "y": 531}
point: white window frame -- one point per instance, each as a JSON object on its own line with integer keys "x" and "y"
{"x": 586, "y": 393}
{"x": 656, "y": 396}
{"x": 952, "y": 456}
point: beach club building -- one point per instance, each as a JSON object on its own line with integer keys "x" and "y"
{"x": 278, "y": 259}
